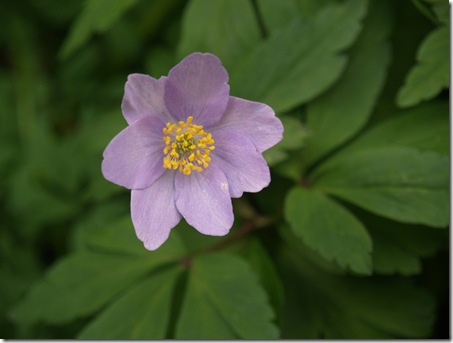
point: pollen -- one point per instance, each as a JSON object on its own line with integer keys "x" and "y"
{"x": 187, "y": 147}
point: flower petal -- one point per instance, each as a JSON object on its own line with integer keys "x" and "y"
{"x": 197, "y": 87}
{"x": 253, "y": 119}
{"x": 134, "y": 158}
{"x": 204, "y": 201}
{"x": 154, "y": 212}
{"x": 244, "y": 167}
{"x": 144, "y": 96}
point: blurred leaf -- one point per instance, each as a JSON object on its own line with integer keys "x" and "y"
{"x": 276, "y": 13}
{"x": 118, "y": 237}
{"x": 424, "y": 127}
{"x": 390, "y": 258}
{"x": 192, "y": 240}
{"x": 343, "y": 110}
{"x": 328, "y": 306}
{"x": 399, "y": 183}
{"x": 426, "y": 79}
{"x": 142, "y": 313}
{"x": 96, "y": 218}
{"x": 18, "y": 268}
{"x": 57, "y": 11}
{"x": 97, "y": 17}
{"x": 297, "y": 245}
{"x": 329, "y": 229}
{"x": 224, "y": 301}
{"x": 267, "y": 274}
{"x": 398, "y": 248}
{"x": 159, "y": 61}
{"x": 424, "y": 8}
{"x": 442, "y": 10}
{"x": 294, "y": 137}
{"x": 439, "y": 9}
{"x": 285, "y": 71}
{"x": 82, "y": 283}
{"x": 291, "y": 167}
{"x": 227, "y": 28}
{"x": 275, "y": 155}
{"x": 98, "y": 130}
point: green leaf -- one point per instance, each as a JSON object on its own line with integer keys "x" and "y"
{"x": 425, "y": 9}
{"x": 97, "y": 17}
{"x": 345, "y": 108}
{"x": 79, "y": 285}
{"x": 267, "y": 274}
{"x": 275, "y": 155}
{"x": 431, "y": 74}
{"x": 277, "y": 13}
{"x": 325, "y": 305}
{"x": 301, "y": 60}
{"x": 434, "y": 9}
{"x": 424, "y": 127}
{"x": 294, "y": 134}
{"x": 298, "y": 246}
{"x": 442, "y": 10}
{"x": 224, "y": 301}
{"x": 399, "y": 248}
{"x": 227, "y": 28}
{"x": 390, "y": 258}
{"x": 329, "y": 229}
{"x": 399, "y": 183}
{"x": 142, "y": 313}
{"x": 294, "y": 137}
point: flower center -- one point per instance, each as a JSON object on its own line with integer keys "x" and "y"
{"x": 187, "y": 146}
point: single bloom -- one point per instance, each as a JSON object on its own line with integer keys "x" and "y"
{"x": 189, "y": 148}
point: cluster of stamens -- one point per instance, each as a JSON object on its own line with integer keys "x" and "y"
{"x": 187, "y": 147}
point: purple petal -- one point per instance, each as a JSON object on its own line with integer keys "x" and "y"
{"x": 204, "y": 201}
{"x": 154, "y": 212}
{"x": 253, "y": 119}
{"x": 144, "y": 96}
{"x": 244, "y": 167}
{"x": 134, "y": 158}
{"x": 197, "y": 87}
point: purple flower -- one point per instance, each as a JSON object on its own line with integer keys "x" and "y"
{"x": 188, "y": 149}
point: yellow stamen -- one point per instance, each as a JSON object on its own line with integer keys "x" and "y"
{"x": 187, "y": 147}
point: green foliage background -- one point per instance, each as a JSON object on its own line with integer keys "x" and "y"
{"x": 350, "y": 240}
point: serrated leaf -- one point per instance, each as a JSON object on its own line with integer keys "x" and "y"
{"x": 97, "y": 16}
{"x": 344, "y": 109}
{"x": 402, "y": 184}
{"x": 231, "y": 25}
{"x": 390, "y": 258}
{"x": 142, "y": 313}
{"x": 224, "y": 301}
{"x": 328, "y": 228}
{"x": 301, "y": 60}
{"x": 79, "y": 285}
{"x": 398, "y": 248}
{"x": 431, "y": 74}
{"x": 329, "y": 306}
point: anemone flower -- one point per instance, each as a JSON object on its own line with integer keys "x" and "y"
{"x": 189, "y": 148}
